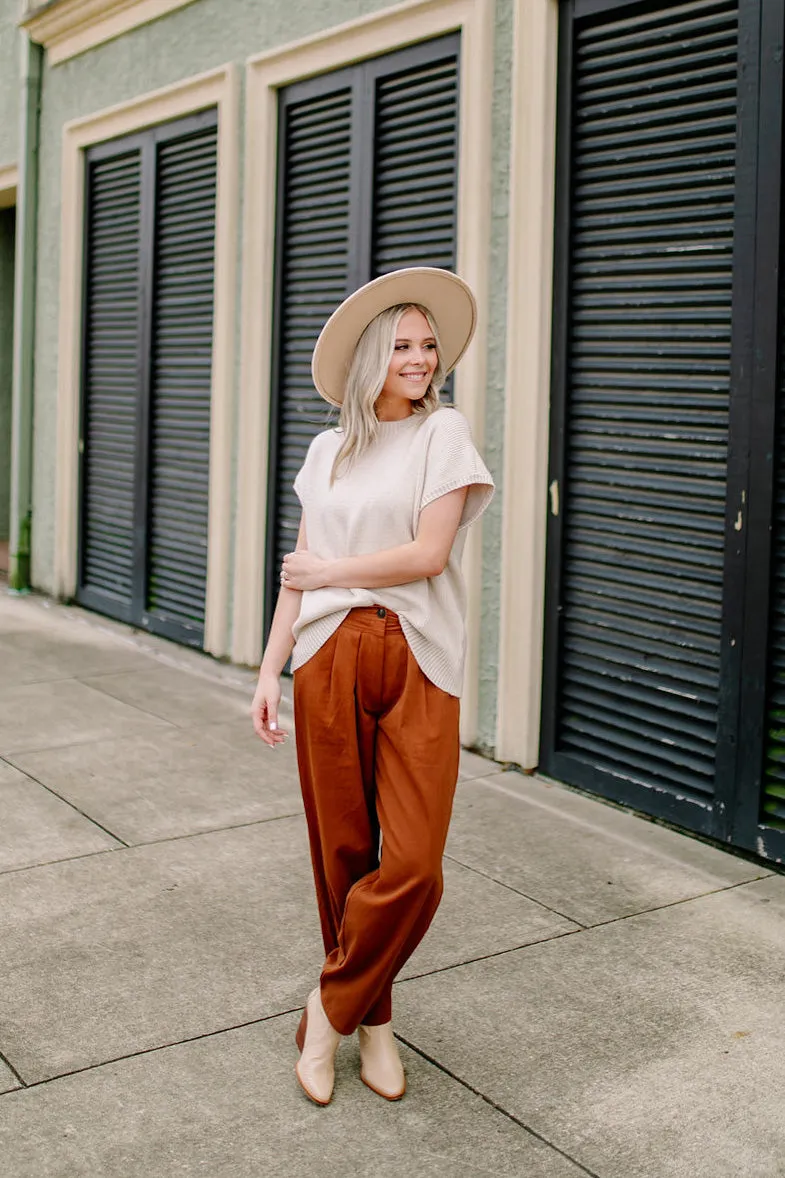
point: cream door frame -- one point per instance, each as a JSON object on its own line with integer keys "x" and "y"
{"x": 370, "y": 36}
{"x": 9, "y": 182}
{"x": 71, "y": 27}
{"x": 218, "y": 88}
{"x": 527, "y": 405}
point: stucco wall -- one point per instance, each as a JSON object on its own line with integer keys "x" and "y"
{"x": 197, "y": 38}
{"x": 9, "y": 82}
{"x": 6, "y": 359}
{"x": 494, "y": 418}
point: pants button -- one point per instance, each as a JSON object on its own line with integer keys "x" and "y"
{"x": 381, "y": 613}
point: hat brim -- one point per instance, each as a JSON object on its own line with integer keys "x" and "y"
{"x": 445, "y": 296}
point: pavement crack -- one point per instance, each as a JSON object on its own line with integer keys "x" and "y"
{"x": 731, "y": 887}
{"x": 573, "y": 932}
{"x": 517, "y": 891}
{"x": 174, "y": 838}
{"x": 136, "y": 707}
{"x": 570, "y": 932}
{"x": 193, "y": 834}
{"x": 741, "y": 883}
{"x": 4, "y": 1059}
{"x": 495, "y": 1105}
{"x": 67, "y": 802}
{"x": 105, "y": 1063}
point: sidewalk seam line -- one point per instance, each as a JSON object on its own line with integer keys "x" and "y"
{"x": 570, "y": 932}
{"x": 104, "y": 1063}
{"x": 72, "y": 805}
{"x": 138, "y": 846}
{"x": 494, "y": 1105}
{"x": 4, "y": 1059}
{"x": 136, "y": 707}
{"x": 243, "y": 688}
{"x": 731, "y": 887}
{"x": 176, "y": 838}
{"x": 516, "y": 891}
{"x": 740, "y": 883}
{"x": 558, "y": 936}
{"x": 165, "y": 726}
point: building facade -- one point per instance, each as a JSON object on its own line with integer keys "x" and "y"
{"x": 188, "y": 187}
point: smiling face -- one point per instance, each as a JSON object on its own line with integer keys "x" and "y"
{"x": 411, "y": 370}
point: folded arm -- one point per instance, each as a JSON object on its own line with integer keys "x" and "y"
{"x": 425, "y": 556}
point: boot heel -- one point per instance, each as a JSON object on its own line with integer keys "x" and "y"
{"x": 299, "y": 1038}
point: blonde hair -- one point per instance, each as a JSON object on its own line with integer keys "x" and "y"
{"x": 367, "y": 374}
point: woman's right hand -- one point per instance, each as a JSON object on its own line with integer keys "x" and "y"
{"x": 264, "y": 709}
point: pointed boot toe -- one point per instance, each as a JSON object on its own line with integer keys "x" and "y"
{"x": 381, "y": 1069}
{"x": 318, "y": 1042}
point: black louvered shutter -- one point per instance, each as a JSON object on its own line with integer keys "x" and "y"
{"x": 367, "y": 183}
{"x": 110, "y": 402}
{"x": 633, "y": 678}
{"x": 182, "y": 338}
{"x": 313, "y": 259}
{"x": 148, "y": 328}
{"x": 772, "y": 802}
{"x": 415, "y": 190}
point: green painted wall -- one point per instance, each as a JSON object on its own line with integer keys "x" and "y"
{"x": 9, "y": 82}
{"x": 197, "y": 38}
{"x": 6, "y": 360}
{"x": 494, "y": 415}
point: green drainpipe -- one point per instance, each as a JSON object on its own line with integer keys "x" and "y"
{"x": 24, "y": 320}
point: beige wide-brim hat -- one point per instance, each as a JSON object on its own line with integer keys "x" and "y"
{"x": 446, "y": 296}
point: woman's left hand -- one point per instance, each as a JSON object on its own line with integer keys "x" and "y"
{"x": 303, "y": 570}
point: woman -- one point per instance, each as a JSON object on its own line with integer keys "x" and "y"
{"x": 371, "y": 611}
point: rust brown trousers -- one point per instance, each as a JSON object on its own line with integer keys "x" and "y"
{"x": 377, "y": 747}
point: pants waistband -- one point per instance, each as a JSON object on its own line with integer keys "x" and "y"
{"x": 375, "y": 618}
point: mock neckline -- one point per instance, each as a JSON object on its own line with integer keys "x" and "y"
{"x": 388, "y": 427}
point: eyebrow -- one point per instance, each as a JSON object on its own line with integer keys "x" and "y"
{"x": 403, "y": 339}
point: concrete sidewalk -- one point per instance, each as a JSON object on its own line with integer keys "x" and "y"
{"x": 598, "y": 995}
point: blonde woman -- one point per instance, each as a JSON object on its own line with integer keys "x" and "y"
{"x": 371, "y": 611}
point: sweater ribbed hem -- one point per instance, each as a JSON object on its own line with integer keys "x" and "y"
{"x": 437, "y": 665}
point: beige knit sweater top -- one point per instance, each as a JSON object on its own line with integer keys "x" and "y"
{"x": 376, "y": 504}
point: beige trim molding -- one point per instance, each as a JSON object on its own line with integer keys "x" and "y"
{"x": 530, "y": 265}
{"x": 70, "y": 27}
{"x": 9, "y": 182}
{"x": 218, "y": 88}
{"x": 368, "y": 37}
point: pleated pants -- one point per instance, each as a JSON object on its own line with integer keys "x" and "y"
{"x": 377, "y": 749}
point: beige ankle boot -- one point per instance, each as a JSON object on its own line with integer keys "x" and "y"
{"x": 318, "y": 1041}
{"x": 381, "y": 1068}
